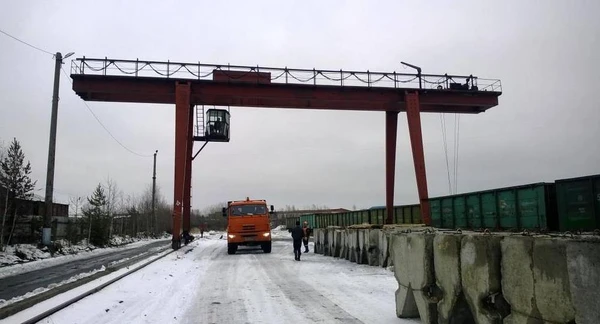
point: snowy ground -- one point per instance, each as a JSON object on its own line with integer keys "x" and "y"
{"x": 201, "y": 283}
{"x": 38, "y": 259}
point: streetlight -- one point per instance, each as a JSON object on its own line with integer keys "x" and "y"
{"x": 46, "y": 230}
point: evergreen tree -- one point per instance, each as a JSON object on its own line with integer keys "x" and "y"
{"x": 15, "y": 175}
{"x": 97, "y": 217}
{"x": 15, "y": 179}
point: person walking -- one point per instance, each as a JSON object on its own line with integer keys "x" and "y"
{"x": 297, "y": 235}
{"x": 306, "y": 232}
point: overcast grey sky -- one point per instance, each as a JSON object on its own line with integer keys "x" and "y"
{"x": 546, "y": 125}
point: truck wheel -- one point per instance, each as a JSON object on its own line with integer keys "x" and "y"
{"x": 231, "y": 248}
{"x": 266, "y": 247}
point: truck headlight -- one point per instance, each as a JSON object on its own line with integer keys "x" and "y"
{"x": 266, "y": 234}
{"x": 231, "y": 236}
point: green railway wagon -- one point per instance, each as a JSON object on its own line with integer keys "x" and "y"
{"x": 578, "y": 203}
{"x": 290, "y": 222}
{"x": 309, "y": 218}
{"x": 407, "y": 214}
{"x": 531, "y": 206}
{"x": 377, "y": 215}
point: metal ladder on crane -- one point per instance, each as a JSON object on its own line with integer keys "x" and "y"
{"x": 199, "y": 120}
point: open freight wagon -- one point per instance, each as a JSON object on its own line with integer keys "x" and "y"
{"x": 571, "y": 204}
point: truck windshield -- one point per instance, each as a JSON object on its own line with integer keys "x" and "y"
{"x": 244, "y": 210}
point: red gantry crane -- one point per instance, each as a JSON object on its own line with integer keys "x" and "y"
{"x": 191, "y": 86}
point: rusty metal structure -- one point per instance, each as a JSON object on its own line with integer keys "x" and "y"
{"x": 193, "y": 85}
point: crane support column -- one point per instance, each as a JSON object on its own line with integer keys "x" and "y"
{"x": 182, "y": 116}
{"x": 391, "y": 133}
{"x": 416, "y": 142}
{"x": 187, "y": 198}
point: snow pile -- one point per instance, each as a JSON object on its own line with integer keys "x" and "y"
{"x": 280, "y": 232}
{"x": 40, "y": 290}
{"x": 118, "y": 240}
{"x": 280, "y": 228}
{"x": 12, "y": 262}
{"x": 20, "y": 253}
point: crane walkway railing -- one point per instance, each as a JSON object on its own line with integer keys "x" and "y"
{"x": 198, "y": 71}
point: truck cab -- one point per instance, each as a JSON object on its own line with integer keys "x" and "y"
{"x": 248, "y": 224}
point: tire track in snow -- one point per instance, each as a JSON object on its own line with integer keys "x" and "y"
{"x": 316, "y": 307}
{"x": 216, "y": 300}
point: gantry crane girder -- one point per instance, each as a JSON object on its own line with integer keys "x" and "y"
{"x": 186, "y": 85}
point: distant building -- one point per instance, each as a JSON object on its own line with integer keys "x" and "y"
{"x": 30, "y": 218}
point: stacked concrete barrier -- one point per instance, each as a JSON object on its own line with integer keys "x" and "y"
{"x": 491, "y": 278}
{"x": 446, "y": 260}
{"x": 343, "y": 244}
{"x": 372, "y": 248}
{"x": 331, "y": 240}
{"x": 362, "y": 256}
{"x": 318, "y": 233}
{"x": 480, "y": 277}
{"x": 383, "y": 247}
{"x": 352, "y": 244}
{"x": 466, "y": 277}
{"x": 413, "y": 269}
{"x": 540, "y": 285}
{"x": 336, "y": 243}
{"x": 583, "y": 264}
{"x": 361, "y": 247}
{"x": 324, "y": 242}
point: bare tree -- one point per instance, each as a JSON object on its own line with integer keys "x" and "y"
{"x": 76, "y": 202}
{"x": 112, "y": 197}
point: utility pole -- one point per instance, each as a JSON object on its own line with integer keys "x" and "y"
{"x": 46, "y": 230}
{"x": 50, "y": 172}
{"x": 154, "y": 192}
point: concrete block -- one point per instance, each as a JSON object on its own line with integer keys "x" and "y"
{"x": 318, "y": 240}
{"x": 324, "y": 242}
{"x": 535, "y": 278}
{"x": 384, "y": 248}
{"x": 446, "y": 259}
{"x": 517, "y": 318}
{"x": 373, "y": 247}
{"x": 352, "y": 244}
{"x": 552, "y": 288}
{"x": 583, "y": 264}
{"x": 413, "y": 269}
{"x": 343, "y": 244}
{"x": 336, "y": 245}
{"x": 362, "y": 254}
{"x": 331, "y": 232}
{"x": 517, "y": 277}
{"x": 480, "y": 277}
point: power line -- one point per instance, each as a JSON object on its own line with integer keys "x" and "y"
{"x": 456, "y": 141}
{"x": 443, "y": 124}
{"x": 13, "y": 37}
{"x": 101, "y": 124}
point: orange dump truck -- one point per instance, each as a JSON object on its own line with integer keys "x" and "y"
{"x": 248, "y": 223}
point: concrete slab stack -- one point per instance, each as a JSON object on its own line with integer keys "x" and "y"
{"x": 413, "y": 269}
{"x": 467, "y": 277}
{"x": 352, "y": 244}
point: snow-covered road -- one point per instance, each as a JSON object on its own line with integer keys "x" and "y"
{"x": 201, "y": 283}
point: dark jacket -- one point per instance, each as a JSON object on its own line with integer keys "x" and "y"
{"x": 297, "y": 233}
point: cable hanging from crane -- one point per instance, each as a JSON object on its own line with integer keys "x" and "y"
{"x": 101, "y": 124}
